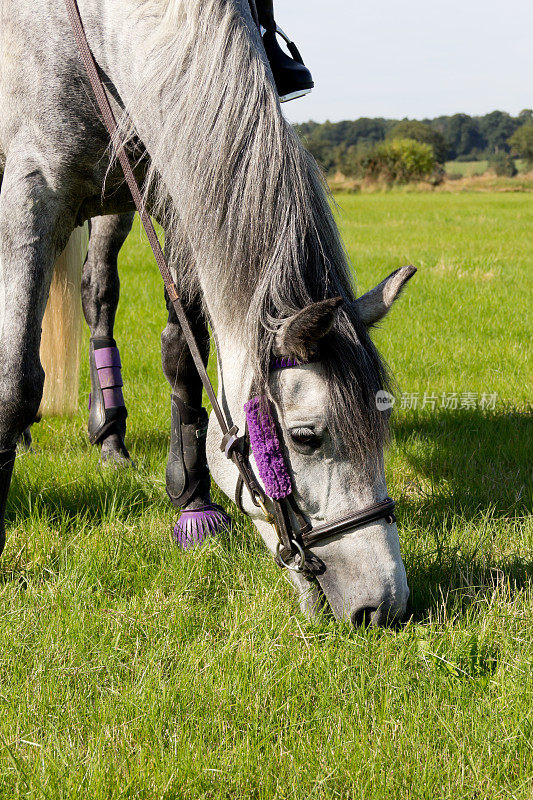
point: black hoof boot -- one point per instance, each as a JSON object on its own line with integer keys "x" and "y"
{"x": 187, "y": 477}
{"x": 107, "y": 411}
{"x": 7, "y": 460}
{"x": 292, "y": 77}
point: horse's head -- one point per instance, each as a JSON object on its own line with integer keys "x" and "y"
{"x": 358, "y": 571}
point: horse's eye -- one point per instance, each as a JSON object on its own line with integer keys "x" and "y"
{"x": 305, "y": 439}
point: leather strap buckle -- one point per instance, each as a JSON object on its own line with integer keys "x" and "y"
{"x": 229, "y": 441}
{"x": 201, "y": 432}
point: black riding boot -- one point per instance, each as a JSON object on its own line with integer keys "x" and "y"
{"x": 292, "y": 77}
{"x": 7, "y": 460}
{"x": 187, "y": 476}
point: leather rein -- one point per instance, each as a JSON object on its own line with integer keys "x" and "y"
{"x": 293, "y": 540}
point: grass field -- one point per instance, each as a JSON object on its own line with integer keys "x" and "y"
{"x": 131, "y": 670}
{"x": 469, "y": 168}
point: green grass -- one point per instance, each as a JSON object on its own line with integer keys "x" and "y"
{"x": 468, "y": 168}
{"x": 130, "y": 670}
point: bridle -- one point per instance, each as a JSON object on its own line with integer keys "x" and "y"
{"x": 294, "y": 531}
{"x": 295, "y": 534}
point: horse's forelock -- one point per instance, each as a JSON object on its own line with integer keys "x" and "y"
{"x": 355, "y": 373}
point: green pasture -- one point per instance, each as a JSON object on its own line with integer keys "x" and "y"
{"x": 468, "y": 168}
{"x": 131, "y": 670}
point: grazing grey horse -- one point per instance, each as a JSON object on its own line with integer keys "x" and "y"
{"x": 251, "y": 240}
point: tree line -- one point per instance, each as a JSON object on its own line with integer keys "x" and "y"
{"x": 350, "y": 145}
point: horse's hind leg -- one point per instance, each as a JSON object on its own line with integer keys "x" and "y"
{"x": 100, "y": 294}
{"x": 188, "y": 480}
{"x": 34, "y": 228}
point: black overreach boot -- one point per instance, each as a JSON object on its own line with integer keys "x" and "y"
{"x": 187, "y": 476}
{"x": 107, "y": 411}
{"x": 7, "y": 460}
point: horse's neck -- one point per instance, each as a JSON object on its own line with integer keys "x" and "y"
{"x": 118, "y": 39}
{"x": 234, "y": 375}
{"x": 234, "y": 383}
{"x": 197, "y": 113}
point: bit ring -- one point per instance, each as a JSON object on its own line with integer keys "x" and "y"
{"x": 293, "y": 568}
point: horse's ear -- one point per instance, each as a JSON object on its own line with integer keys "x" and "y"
{"x": 373, "y": 305}
{"x": 299, "y": 334}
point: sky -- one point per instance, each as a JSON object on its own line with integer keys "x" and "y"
{"x": 411, "y": 58}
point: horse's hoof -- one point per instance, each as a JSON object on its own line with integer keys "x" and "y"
{"x": 115, "y": 459}
{"x": 25, "y": 442}
{"x": 113, "y": 451}
{"x": 195, "y": 525}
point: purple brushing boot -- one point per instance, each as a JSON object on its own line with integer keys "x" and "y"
{"x": 107, "y": 410}
{"x": 187, "y": 477}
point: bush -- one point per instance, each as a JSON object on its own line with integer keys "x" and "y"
{"x": 438, "y": 175}
{"x": 503, "y": 165}
{"x": 521, "y": 142}
{"x": 420, "y": 132}
{"x": 397, "y": 161}
{"x": 350, "y": 160}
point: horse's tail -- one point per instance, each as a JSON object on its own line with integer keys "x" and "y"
{"x": 62, "y": 329}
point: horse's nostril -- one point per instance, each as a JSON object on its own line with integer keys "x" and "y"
{"x": 364, "y": 616}
{"x": 375, "y": 616}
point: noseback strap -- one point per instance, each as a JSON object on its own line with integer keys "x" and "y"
{"x": 382, "y": 510}
{"x": 351, "y": 522}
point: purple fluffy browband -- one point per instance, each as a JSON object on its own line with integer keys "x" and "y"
{"x": 266, "y": 448}
{"x": 285, "y": 362}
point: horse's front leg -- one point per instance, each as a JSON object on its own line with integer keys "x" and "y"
{"x": 100, "y": 290}
{"x": 34, "y": 228}
{"x": 188, "y": 479}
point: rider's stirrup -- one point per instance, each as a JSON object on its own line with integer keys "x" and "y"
{"x": 292, "y": 77}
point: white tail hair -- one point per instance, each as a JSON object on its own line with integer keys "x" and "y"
{"x": 62, "y": 329}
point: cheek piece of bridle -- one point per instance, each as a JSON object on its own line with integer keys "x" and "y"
{"x": 277, "y": 502}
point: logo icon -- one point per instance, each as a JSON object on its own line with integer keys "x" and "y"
{"x": 384, "y": 400}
